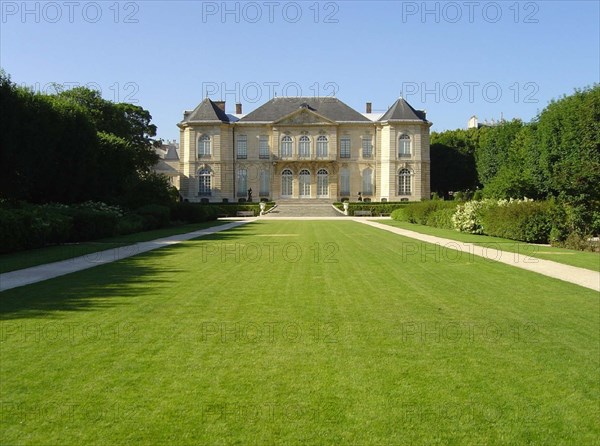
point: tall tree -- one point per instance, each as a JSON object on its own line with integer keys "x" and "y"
{"x": 493, "y": 148}
{"x": 129, "y": 122}
{"x": 76, "y": 146}
{"x": 569, "y": 137}
{"x": 452, "y": 161}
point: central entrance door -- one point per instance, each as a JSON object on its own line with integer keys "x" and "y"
{"x": 322, "y": 183}
{"x": 304, "y": 183}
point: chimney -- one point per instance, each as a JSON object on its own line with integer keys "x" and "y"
{"x": 369, "y": 107}
{"x": 220, "y": 104}
{"x": 238, "y": 108}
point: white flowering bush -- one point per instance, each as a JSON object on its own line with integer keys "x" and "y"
{"x": 102, "y": 207}
{"x": 506, "y": 202}
{"x": 467, "y": 217}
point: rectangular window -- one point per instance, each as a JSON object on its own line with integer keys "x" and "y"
{"x": 404, "y": 146}
{"x": 345, "y": 148}
{"x": 367, "y": 147}
{"x": 367, "y": 182}
{"x": 344, "y": 182}
{"x": 242, "y": 189}
{"x": 265, "y": 186}
{"x": 242, "y": 147}
{"x": 263, "y": 147}
{"x": 204, "y": 146}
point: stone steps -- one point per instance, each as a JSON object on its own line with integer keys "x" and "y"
{"x": 312, "y": 209}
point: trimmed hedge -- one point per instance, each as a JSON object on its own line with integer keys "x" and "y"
{"x": 419, "y": 212}
{"x": 154, "y": 216}
{"x": 441, "y": 218}
{"x": 90, "y": 224}
{"x": 230, "y": 210}
{"x": 193, "y": 213}
{"x": 375, "y": 208}
{"x": 28, "y": 226}
{"x": 530, "y": 221}
{"x": 22, "y": 229}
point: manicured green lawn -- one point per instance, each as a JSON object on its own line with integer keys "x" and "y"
{"x": 581, "y": 259}
{"x": 34, "y": 257}
{"x": 239, "y": 339}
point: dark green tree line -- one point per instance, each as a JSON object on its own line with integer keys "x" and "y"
{"x": 75, "y": 146}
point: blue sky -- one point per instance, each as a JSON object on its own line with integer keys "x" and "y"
{"x": 453, "y": 59}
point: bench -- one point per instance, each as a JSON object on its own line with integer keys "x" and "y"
{"x": 362, "y": 213}
{"x": 245, "y": 213}
{"x": 384, "y": 214}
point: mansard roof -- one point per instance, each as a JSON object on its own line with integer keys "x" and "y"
{"x": 328, "y": 107}
{"x": 401, "y": 111}
{"x": 207, "y": 111}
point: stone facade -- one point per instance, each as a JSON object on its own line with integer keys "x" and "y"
{"x": 302, "y": 149}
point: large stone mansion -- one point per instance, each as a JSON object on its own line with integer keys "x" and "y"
{"x": 302, "y": 148}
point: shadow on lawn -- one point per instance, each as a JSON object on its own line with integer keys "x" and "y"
{"x": 105, "y": 286}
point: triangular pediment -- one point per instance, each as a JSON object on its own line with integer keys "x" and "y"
{"x": 304, "y": 116}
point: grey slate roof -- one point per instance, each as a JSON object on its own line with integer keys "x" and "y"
{"x": 401, "y": 110}
{"x": 171, "y": 153}
{"x": 207, "y": 110}
{"x": 165, "y": 168}
{"x": 329, "y": 107}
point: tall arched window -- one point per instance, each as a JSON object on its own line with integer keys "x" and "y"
{"x": 286, "y": 183}
{"x": 304, "y": 147}
{"x": 204, "y": 146}
{"x": 204, "y": 180}
{"x": 242, "y": 183}
{"x": 344, "y": 181}
{"x": 404, "y": 145}
{"x": 404, "y": 182}
{"x": 286, "y": 147}
{"x": 367, "y": 178}
{"x": 322, "y": 146}
{"x": 304, "y": 183}
{"x": 322, "y": 183}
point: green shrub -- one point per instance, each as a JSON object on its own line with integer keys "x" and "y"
{"x": 399, "y": 214}
{"x": 231, "y": 210}
{"x": 13, "y": 230}
{"x": 155, "y": 216}
{"x": 375, "y": 208}
{"x": 579, "y": 242}
{"x": 442, "y": 218}
{"x": 419, "y": 212}
{"x": 478, "y": 195}
{"x": 527, "y": 221}
{"x": 130, "y": 223}
{"x": 90, "y": 224}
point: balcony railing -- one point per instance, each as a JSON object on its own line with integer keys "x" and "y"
{"x": 311, "y": 157}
